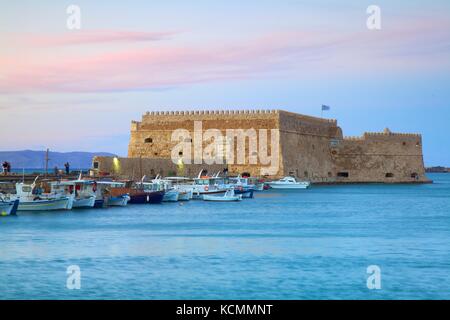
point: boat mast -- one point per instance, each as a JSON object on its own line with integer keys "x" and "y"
{"x": 46, "y": 162}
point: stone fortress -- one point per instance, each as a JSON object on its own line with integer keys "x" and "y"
{"x": 310, "y": 148}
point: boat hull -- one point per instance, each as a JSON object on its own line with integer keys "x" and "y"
{"x": 222, "y": 198}
{"x": 171, "y": 196}
{"x": 147, "y": 197}
{"x": 200, "y": 195}
{"x": 288, "y": 186}
{"x": 245, "y": 193}
{"x": 44, "y": 205}
{"x": 185, "y": 195}
{"x": 8, "y": 208}
{"x": 84, "y": 203}
{"x": 120, "y": 201}
{"x": 99, "y": 203}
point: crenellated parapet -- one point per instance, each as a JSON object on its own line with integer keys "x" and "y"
{"x": 211, "y": 112}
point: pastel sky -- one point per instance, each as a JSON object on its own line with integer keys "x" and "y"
{"x": 79, "y": 89}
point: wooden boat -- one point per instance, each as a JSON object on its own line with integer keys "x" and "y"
{"x": 137, "y": 193}
{"x": 228, "y": 196}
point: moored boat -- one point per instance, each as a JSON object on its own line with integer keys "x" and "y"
{"x": 228, "y": 196}
{"x": 138, "y": 194}
{"x": 105, "y": 196}
{"x": 289, "y": 183}
{"x": 81, "y": 191}
{"x": 31, "y": 198}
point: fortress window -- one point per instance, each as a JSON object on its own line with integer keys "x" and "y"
{"x": 148, "y": 140}
{"x": 306, "y": 173}
{"x": 329, "y": 174}
{"x": 152, "y": 172}
{"x": 404, "y": 143}
{"x": 389, "y": 175}
{"x": 95, "y": 165}
{"x": 342, "y": 174}
{"x": 180, "y": 153}
{"x": 414, "y": 175}
{"x": 156, "y": 153}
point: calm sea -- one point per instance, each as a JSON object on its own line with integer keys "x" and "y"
{"x": 309, "y": 244}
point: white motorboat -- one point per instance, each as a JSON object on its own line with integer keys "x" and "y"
{"x": 228, "y": 196}
{"x": 31, "y": 198}
{"x": 289, "y": 183}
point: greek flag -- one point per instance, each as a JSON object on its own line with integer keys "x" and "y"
{"x": 325, "y": 108}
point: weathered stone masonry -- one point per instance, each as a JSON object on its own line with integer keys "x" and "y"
{"x": 310, "y": 148}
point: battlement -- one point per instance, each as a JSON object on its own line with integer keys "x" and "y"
{"x": 212, "y": 112}
{"x": 385, "y": 134}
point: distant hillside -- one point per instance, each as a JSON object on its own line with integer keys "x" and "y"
{"x": 29, "y": 159}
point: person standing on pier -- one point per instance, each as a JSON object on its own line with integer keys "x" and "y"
{"x": 5, "y": 167}
{"x": 8, "y": 167}
{"x": 67, "y": 166}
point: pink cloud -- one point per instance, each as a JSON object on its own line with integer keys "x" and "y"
{"x": 91, "y": 37}
{"x": 401, "y": 48}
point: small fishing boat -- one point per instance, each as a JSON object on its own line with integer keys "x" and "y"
{"x": 8, "y": 207}
{"x": 120, "y": 201}
{"x": 289, "y": 183}
{"x": 228, "y": 196}
{"x": 31, "y": 198}
{"x": 81, "y": 191}
{"x": 185, "y": 190}
{"x": 106, "y": 195}
{"x": 246, "y": 193}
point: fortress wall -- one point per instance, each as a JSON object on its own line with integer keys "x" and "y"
{"x": 305, "y": 143}
{"x": 380, "y": 157}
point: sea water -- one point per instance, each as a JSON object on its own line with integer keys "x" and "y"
{"x": 304, "y": 244}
